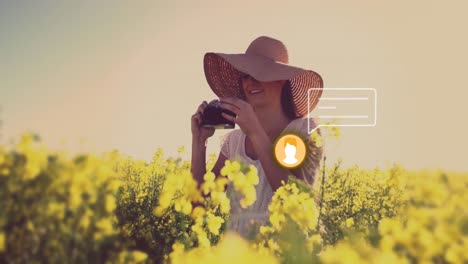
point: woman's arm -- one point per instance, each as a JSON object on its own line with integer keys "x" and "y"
{"x": 199, "y": 137}
{"x": 264, "y": 150}
{"x": 198, "y": 165}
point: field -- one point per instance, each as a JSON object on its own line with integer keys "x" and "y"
{"x": 113, "y": 209}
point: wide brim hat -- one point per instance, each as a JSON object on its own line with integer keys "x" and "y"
{"x": 266, "y": 59}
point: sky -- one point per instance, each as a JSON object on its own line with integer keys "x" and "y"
{"x": 128, "y": 75}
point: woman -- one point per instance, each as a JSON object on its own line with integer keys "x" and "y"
{"x": 269, "y": 98}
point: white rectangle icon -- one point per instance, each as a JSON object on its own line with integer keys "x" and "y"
{"x": 344, "y": 107}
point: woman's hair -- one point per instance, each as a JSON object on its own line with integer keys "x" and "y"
{"x": 286, "y": 99}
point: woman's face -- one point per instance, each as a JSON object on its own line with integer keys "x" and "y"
{"x": 261, "y": 93}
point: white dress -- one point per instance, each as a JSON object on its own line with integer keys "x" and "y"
{"x": 247, "y": 221}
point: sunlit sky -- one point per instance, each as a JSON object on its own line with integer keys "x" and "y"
{"x": 128, "y": 75}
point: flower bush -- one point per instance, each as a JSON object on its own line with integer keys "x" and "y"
{"x": 355, "y": 200}
{"x": 432, "y": 227}
{"x": 115, "y": 209}
{"x": 56, "y": 208}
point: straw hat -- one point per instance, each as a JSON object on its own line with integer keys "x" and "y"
{"x": 266, "y": 59}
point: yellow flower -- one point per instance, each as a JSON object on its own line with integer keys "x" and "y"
{"x": 316, "y": 138}
{"x": 56, "y": 209}
{"x": 243, "y": 183}
{"x": 134, "y": 256}
{"x": 277, "y": 220}
{"x": 221, "y": 199}
{"x": 232, "y": 249}
{"x": 86, "y": 219}
{"x": 159, "y": 211}
{"x": 252, "y": 175}
{"x": 183, "y": 205}
{"x": 4, "y": 171}
{"x": 2, "y": 241}
{"x": 221, "y": 183}
{"x": 198, "y": 212}
{"x": 214, "y": 223}
{"x": 75, "y": 196}
{"x": 313, "y": 241}
{"x": 36, "y": 158}
{"x": 209, "y": 176}
{"x": 139, "y": 256}
{"x": 165, "y": 199}
{"x": 349, "y": 222}
{"x": 201, "y": 234}
{"x": 209, "y": 185}
{"x": 272, "y": 245}
{"x": 177, "y": 254}
{"x": 110, "y": 203}
{"x": 105, "y": 226}
{"x": 265, "y": 230}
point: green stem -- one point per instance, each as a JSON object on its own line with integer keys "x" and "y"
{"x": 322, "y": 193}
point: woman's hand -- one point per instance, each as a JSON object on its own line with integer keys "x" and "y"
{"x": 246, "y": 117}
{"x": 199, "y": 132}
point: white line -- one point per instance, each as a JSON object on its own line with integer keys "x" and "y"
{"x": 337, "y": 125}
{"x": 343, "y": 98}
{"x": 327, "y": 107}
{"x": 343, "y": 116}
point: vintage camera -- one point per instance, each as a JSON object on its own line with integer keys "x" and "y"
{"x": 212, "y": 117}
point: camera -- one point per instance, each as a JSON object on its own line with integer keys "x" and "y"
{"x": 212, "y": 117}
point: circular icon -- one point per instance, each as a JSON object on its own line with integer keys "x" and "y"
{"x": 290, "y": 150}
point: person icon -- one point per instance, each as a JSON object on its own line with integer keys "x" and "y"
{"x": 290, "y": 151}
{"x": 290, "y": 148}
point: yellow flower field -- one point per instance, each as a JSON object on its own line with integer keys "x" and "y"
{"x": 113, "y": 209}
